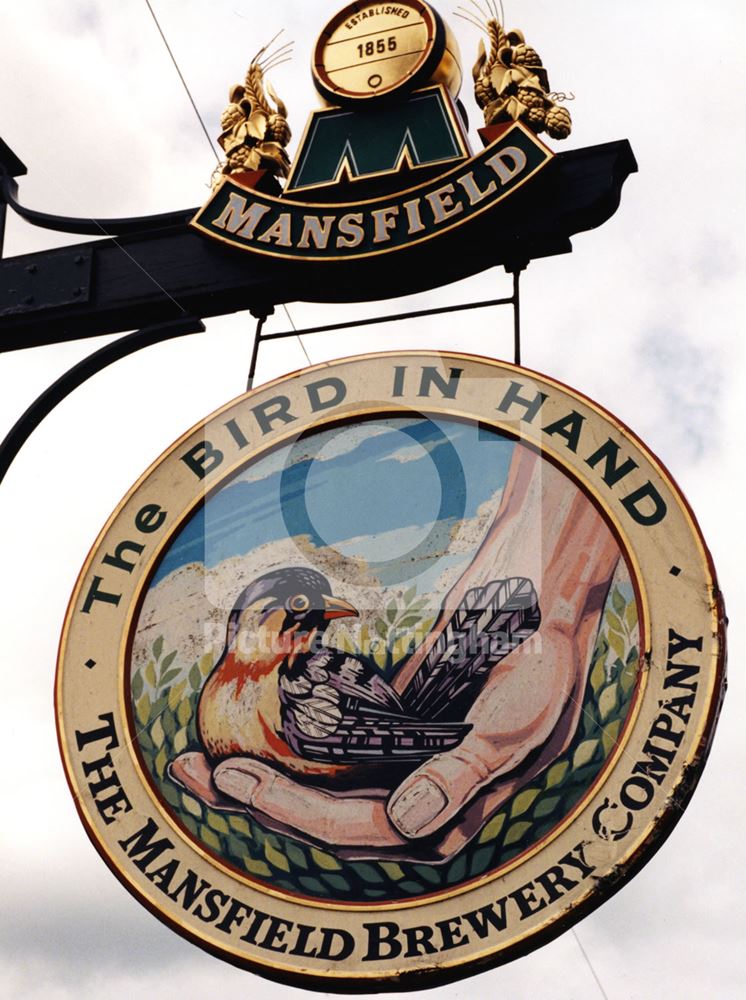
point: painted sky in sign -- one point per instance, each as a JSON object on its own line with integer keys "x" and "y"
{"x": 359, "y": 484}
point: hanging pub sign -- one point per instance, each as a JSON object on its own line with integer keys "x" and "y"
{"x": 393, "y": 669}
{"x": 390, "y": 671}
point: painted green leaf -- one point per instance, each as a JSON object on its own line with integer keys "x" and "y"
{"x": 585, "y": 753}
{"x": 324, "y": 860}
{"x": 192, "y": 806}
{"x": 150, "y": 675}
{"x": 142, "y": 709}
{"x": 235, "y": 847}
{"x": 170, "y": 725}
{"x": 409, "y": 621}
{"x": 481, "y": 861}
{"x": 176, "y": 694}
{"x": 393, "y": 870}
{"x": 171, "y": 794}
{"x": 598, "y": 674}
{"x": 275, "y": 857}
{"x": 240, "y": 825}
{"x": 217, "y": 822}
{"x": 382, "y": 629}
{"x": 296, "y": 856}
{"x": 523, "y": 802}
{"x": 191, "y": 824}
{"x": 608, "y": 702}
{"x": 158, "y": 647}
{"x": 170, "y": 676}
{"x": 205, "y": 664}
{"x": 161, "y": 762}
{"x": 167, "y": 661}
{"x": 207, "y": 836}
{"x": 610, "y": 736}
{"x": 614, "y": 622}
{"x": 427, "y": 874}
{"x": 337, "y": 882}
{"x": 546, "y": 806}
{"x": 627, "y": 678}
{"x": 368, "y": 873}
{"x": 617, "y": 643}
{"x": 391, "y": 612}
{"x": 157, "y": 734}
{"x": 618, "y": 601}
{"x": 312, "y": 885}
{"x": 195, "y": 678}
{"x": 412, "y": 888}
{"x": 410, "y": 595}
{"x": 630, "y": 615}
{"x": 557, "y": 773}
{"x": 137, "y": 685}
{"x": 493, "y": 828}
{"x": 257, "y": 867}
{"x": 457, "y": 871}
{"x": 417, "y": 606}
{"x": 184, "y": 712}
{"x": 516, "y": 832}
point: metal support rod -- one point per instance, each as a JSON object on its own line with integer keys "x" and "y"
{"x": 255, "y": 351}
{"x": 514, "y": 300}
{"x": 80, "y": 373}
{"x": 517, "y": 316}
{"x": 395, "y": 318}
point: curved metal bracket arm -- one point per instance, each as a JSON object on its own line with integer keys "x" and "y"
{"x": 90, "y": 227}
{"x": 80, "y": 373}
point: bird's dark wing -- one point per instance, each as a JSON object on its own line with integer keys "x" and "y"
{"x": 492, "y": 622}
{"x": 337, "y": 709}
{"x": 377, "y": 740}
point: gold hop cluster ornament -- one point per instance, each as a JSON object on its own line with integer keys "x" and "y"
{"x": 255, "y": 135}
{"x": 511, "y": 83}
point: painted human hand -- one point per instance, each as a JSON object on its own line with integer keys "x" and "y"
{"x": 448, "y": 799}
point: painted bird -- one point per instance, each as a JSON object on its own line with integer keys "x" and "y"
{"x": 279, "y": 694}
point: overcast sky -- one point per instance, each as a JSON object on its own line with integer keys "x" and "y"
{"x": 645, "y": 317}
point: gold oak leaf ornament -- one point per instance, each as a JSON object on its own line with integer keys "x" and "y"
{"x": 255, "y": 135}
{"x": 511, "y": 84}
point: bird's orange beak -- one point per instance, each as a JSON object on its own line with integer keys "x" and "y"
{"x": 334, "y": 607}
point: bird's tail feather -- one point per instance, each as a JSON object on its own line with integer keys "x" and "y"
{"x": 492, "y": 621}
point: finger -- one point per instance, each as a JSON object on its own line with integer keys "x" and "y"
{"x": 516, "y": 714}
{"x": 344, "y": 821}
{"x": 433, "y": 795}
{"x": 193, "y": 772}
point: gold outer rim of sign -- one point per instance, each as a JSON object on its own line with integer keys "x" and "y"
{"x": 453, "y": 117}
{"x": 322, "y": 258}
{"x": 326, "y": 86}
{"x": 629, "y": 863}
{"x": 312, "y": 902}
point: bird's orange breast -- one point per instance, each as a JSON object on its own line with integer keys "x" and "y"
{"x": 239, "y": 714}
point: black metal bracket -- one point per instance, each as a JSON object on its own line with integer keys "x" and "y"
{"x": 514, "y": 301}
{"x": 151, "y": 270}
{"x": 80, "y": 373}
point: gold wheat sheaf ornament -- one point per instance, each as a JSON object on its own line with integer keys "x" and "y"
{"x": 511, "y": 83}
{"x": 255, "y": 134}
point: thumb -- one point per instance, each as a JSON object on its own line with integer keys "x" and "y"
{"x": 433, "y": 794}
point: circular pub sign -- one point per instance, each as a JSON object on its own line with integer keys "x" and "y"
{"x": 390, "y": 671}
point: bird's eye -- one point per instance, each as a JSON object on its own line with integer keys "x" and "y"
{"x": 299, "y": 603}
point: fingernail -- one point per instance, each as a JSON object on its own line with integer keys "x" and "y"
{"x": 236, "y": 783}
{"x": 417, "y": 806}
